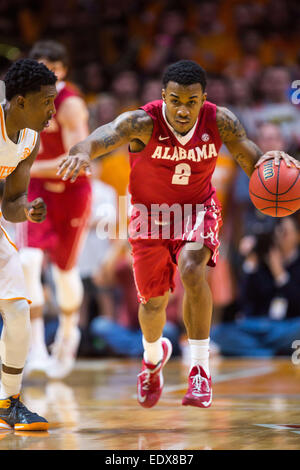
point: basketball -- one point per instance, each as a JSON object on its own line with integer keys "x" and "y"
{"x": 275, "y": 190}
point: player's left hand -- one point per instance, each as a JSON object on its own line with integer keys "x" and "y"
{"x": 277, "y": 155}
{"x": 36, "y": 210}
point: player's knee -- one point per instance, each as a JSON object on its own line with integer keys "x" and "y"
{"x": 69, "y": 288}
{"x": 193, "y": 266}
{"x": 32, "y": 260}
{"x": 190, "y": 274}
{"x": 155, "y": 305}
{"x": 15, "y": 339}
{"x": 17, "y": 318}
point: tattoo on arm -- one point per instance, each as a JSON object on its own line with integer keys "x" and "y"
{"x": 229, "y": 125}
{"x": 126, "y": 127}
{"x": 245, "y": 152}
{"x": 246, "y": 163}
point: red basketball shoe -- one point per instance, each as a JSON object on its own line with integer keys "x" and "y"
{"x": 199, "y": 390}
{"x": 150, "y": 380}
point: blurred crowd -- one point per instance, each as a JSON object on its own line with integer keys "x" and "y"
{"x": 118, "y": 49}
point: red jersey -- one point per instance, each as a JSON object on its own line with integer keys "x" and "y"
{"x": 68, "y": 204}
{"x": 176, "y": 169}
{"x": 51, "y": 145}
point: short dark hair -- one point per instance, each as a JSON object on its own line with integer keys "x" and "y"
{"x": 27, "y": 75}
{"x": 185, "y": 72}
{"x": 51, "y": 50}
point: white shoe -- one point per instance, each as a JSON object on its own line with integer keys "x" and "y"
{"x": 64, "y": 352}
{"x": 37, "y": 361}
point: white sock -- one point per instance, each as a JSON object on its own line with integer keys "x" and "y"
{"x": 38, "y": 335}
{"x": 67, "y": 323}
{"x": 10, "y": 385}
{"x": 153, "y": 351}
{"x": 200, "y": 354}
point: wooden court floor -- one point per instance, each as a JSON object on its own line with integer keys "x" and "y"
{"x": 256, "y": 406}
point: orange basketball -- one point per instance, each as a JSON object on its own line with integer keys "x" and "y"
{"x": 275, "y": 190}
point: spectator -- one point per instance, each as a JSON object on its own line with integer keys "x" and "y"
{"x": 151, "y": 90}
{"x": 185, "y": 48}
{"x": 268, "y": 321}
{"x": 125, "y": 88}
{"x": 103, "y": 110}
{"x": 240, "y": 97}
{"x": 276, "y": 107}
{"x": 92, "y": 81}
{"x": 121, "y": 330}
{"x": 155, "y": 52}
{"x": 218, "y": 90}
{"x": 216, "y": 44}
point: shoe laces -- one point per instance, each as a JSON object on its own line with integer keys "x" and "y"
{"x": 145, "y": 374}
{"x": 19, "y": 406}
{"x": 197, "y": 381}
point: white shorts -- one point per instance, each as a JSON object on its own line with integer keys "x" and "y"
{"x": 12, "y": 281}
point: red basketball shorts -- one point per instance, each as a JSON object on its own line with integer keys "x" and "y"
{"x": 155, "y": 260}
{"x": 68, "y": 211}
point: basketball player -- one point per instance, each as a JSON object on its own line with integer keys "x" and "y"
{"x": 173, "y": 147}
{"x": 29, "y": 106}
{"x": 60, "y": 235}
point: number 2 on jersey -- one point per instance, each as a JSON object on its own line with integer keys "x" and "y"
{"x": 182, "y": 174}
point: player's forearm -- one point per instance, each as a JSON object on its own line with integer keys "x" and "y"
{"x": 103, "y": 140}
{"x": 133, "y": 125}
{"x": 246, "y": 153}
{"x": 14, "y": 211}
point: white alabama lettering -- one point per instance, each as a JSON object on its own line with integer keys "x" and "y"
{"x": 182, "y": 154}
{"x": 158, "y": 151}
{"x": 196, "y": 154}
{"x": 191, "y": 155}
{"x": 166, "y": 155}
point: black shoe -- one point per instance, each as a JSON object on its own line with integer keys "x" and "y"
{"x": 15, "y": 415}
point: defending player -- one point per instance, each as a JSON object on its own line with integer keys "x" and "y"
{"x": 30, "y": 94}
{"x": 173, "y": 145}
{"x": 61, "y": 234}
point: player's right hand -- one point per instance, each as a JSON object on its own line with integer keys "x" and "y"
{"x": 36, "y": 210}
{"x": 70, "y": 166}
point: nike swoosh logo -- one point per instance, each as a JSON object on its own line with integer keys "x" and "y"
{"x": 163, "y": 138}
{"x": 140, "y": 398}
{"x": 207, "y": 403}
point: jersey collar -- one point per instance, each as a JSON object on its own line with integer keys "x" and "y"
{"x": 183, "y": 139}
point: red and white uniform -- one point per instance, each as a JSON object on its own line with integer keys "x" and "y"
{"x": 12, "y": 283}
{"x": 68, "y": 204}
{"x": 173, "y": 170}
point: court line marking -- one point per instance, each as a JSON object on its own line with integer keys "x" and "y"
{"x": 96, "y": 365}
{"x": 280, "y": 427}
